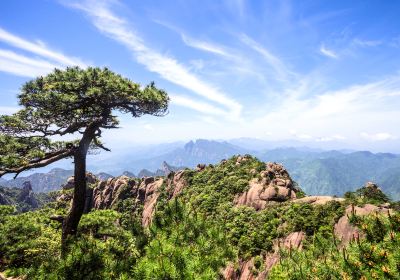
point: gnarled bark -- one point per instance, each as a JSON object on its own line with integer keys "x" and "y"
{"x": 71, "y": 222}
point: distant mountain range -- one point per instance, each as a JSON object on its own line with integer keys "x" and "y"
{"x": 333, "y": 172}
{"x": 317, "y": 171}
{"x": 189, "y": 155}
{"x": 41, "y": 182}
{"x": 56, "y": 177}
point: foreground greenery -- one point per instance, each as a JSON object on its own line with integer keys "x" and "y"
{"x": 197, "y": 234}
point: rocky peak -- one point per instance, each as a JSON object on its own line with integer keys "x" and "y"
{"x": 128, "y": 174}
{"x": 188, "y": 146}
{"x": 273, "y": 185}
{"x": 26, "y": 190}
{"x": 104, "y": 176}
{"x": 166, "y": 168}
{"x": 371, "y": 185}
{"x": 144, "y": 192}
{"x": 90, "y": 179}
{"x": 4, "y": 200}
{"x": 145, "y": 173}
{"x": 27, "y": 196}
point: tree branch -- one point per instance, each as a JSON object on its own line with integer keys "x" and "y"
{"x": 97, "y": 143}
{"x": 48, "y": 159}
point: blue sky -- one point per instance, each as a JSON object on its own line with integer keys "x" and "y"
{"x": 313, "y": 71}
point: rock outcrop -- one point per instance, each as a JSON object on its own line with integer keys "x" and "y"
{"x": 24, "y": 199}
{"x": 108, "y": 192}
{"x": 318, "y": 200}
{"x": 275, "y": 185}
{"x": 246, "y": 269}
{"x": 149, "y": 190}
{"x": 90, "y": 179}
{"x": 104, "y": 176}
{"x": 4, "y": 200}
{"x": 345, "y": 231}
{"x": 26, "y": 195}
{"x": 144, "y": 192}
{"x": 3, "y": 277}
{"x": 168, "y": 169}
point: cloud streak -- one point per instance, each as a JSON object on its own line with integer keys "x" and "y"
{"x": 276, "y": 64}
{"x": 327, "y": 52}
{"x": 39, "y": 49}
{"x": 202, "y": 107}
{"x": 367, "y": 43}
{"x": 21, "y": 65}
{"x": 205, "y": 46}
{"x": 168, "y": 68}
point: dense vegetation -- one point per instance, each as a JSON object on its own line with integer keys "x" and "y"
{"x": 377, "y": 256}
{"x": 195, "y": 235}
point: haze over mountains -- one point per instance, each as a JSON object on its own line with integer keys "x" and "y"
{"x": 317, "y": 171}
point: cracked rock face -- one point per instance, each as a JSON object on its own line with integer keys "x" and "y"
{"x": 174, "y": 186}
{"x": 275, "y": 185}
{"x": 108, "y": 192}
{"x": 144, "y": 192}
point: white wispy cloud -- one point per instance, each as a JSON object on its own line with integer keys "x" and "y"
{"x": 119, "y": 29}
{"x": 342, "y": 112}
{"x": 381, "y": 136}
{"x": 301, "y": 136}
{"x": 279, "y": 67}
{"x": 308, "y": 137}
{"x": 328, "y": 52}
{"x": 202, "y": 107}
{"x": 202, "y": 45}
{"x": 38, "y": 48}
{"x": 197, "y": 64}
{"x": 336, "y": 137}
{"x": 31, "y": 66}
{"x": 205, "y": 46}
{"x": 240, "y": 64}
{"x": 20, "y": 65}
{"x": 366, "y": 43}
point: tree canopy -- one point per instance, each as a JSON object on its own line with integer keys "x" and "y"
{"x": 70, "y": 101}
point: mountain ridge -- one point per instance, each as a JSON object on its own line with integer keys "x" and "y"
{"x": 319, "y": 172}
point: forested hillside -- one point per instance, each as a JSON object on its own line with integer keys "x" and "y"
{"x": 238, "y": 219}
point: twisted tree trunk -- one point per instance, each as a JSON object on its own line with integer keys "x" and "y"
{"x": 71, "y": 222}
